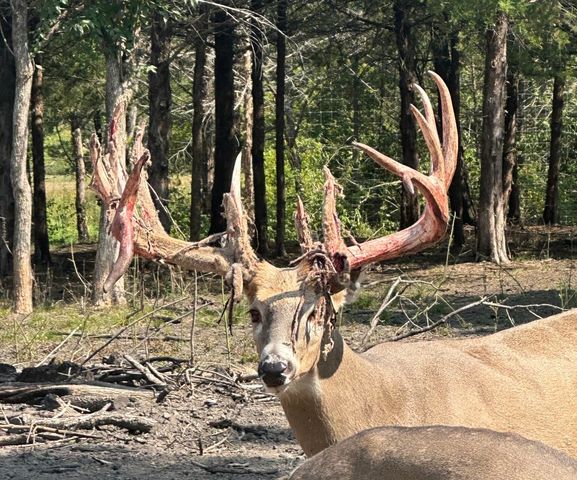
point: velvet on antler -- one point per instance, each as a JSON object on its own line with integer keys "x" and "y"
{"x": 135, "y": 223}
{"x": 433, "y": 223}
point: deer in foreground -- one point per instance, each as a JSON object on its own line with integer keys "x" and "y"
{"x": 522, "y": 380}
{"x": 437, "y": 453}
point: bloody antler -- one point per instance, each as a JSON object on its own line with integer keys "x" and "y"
{"x": 135, "y": 223}
{"x": 433, "y": 223}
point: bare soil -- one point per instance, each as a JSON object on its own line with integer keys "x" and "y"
{"x": 218, "y": 423}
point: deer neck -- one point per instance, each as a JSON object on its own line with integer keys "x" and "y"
{"x": 336, "y": 399}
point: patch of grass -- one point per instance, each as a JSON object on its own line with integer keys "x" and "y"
{"x": 62, "y": 211}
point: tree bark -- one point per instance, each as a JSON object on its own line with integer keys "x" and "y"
{"x": 40, "y": 223}
{"x": 22, "y": 270}
{"x": 80, "y": 172}
{"x": 491, "y": 242}
{"x": 225, "y": 144}
{"x": 159, "y": 100}
{"x": 551, "y": 210}
{"x": 199, "y": 148}
{"x": 407, "y": 77}
{"x": 510, "y": 140}
{"x": 448, "y": 69}
{"x": 108, "y": 247}
{"x": 7, "y": 81}
{"x": 258, "y": 134}
{"x": 279, "y": 128}
{"x": 248, "y": 186}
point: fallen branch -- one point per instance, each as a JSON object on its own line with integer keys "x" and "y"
{"x": 26, "y": 392}
{"x": 240, "y": 470}
{"x": 441, "y": 321}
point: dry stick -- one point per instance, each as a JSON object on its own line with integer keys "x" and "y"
{"x": 145, "y": 371}
{"x": 131, "y": 324}
{"x": 58, "y": 347}
{"x": 386, "y": 302}
{"x": 193, "y": 326}
{"x": 441, "y": 321}
{"x": 48, "y": 429}
{"x": 236, "y": 471}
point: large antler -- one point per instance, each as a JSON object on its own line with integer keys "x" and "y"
{"x": 433, "y": 223}
{"x": 135, "y": 223}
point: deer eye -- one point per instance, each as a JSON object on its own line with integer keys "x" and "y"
{"x": 255, "y": 316}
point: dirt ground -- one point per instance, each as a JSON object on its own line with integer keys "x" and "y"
{"x": 216, "y": 422}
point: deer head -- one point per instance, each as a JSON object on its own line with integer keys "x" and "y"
{"x": 292, "y": 309}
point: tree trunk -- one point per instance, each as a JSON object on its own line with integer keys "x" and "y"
{"x": 551, "y": 211}
{"x": 108, "y": 247}
{"x": 491, "y": 243}
{"x": 258, "y": 134}
{"x": 40, "y": 223}
{"x": 159, "y": 100}
{"x": 407, "y": 77}
{"x": 446, "y": 62}
{"x": 80, "y": 172}
{"x": 199, "y": 152}
{"x": 20, "y": 186}
{"x": 279, "y": 128}
{"x": 248, "y": 186}
{"x": 7, "y": 81}
{"x": 225, "y": 144}
{"x": 510, "y": 140}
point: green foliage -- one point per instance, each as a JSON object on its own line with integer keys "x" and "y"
{"x": 62, "y": 212}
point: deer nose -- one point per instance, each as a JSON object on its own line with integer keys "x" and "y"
{"x": 271, "y": 371}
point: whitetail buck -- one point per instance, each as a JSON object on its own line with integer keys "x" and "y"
{"x": 437, "y": 453}
{"x": 522, "y": 380}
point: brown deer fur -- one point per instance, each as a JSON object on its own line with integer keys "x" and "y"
{"x": 437, "y": 453}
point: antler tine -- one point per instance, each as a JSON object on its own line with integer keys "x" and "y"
{"x": 432, "y": 224}
{"x": 122, "y": 227}
{"x": 236, "y": 220}
{"x": 450, "y": 134}
{"x": 428, "y": 127}
{"x": 304, "y": 235}
{"x": 331, "y": 224}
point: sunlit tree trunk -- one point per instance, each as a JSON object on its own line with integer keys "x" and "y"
{"x": 41, "y": 242}
{"x": 551, "y": 211}
{"x": 7, "y": 83}
{"x": 491, "y": 242}
{"x": 22, "y": 268}
{"x": 80, "y": 173}
{"x": 248, "y": 124}
{"x": 107, "y": 250}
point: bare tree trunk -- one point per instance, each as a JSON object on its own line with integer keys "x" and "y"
{"x": 7, "y": 81}
{"x": 407, "y": 77}
{"x": 225, "y": 144}
{"x": 107, "y": 251}
{"x": 279, "y": 128}
{"x": 199, "y": 152}
{"x": 248, "y": 185}
{"x": 258, "y": 135}
{"x": 159, "y": 100}
{"x": 41, "y": 241}
{"x": 491, "y": 242}
{"x": 80, "y": 172}
{"x": 510, "y": 141}
{"x": 551, "y": 211}
{"x": 20, "y": 186}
